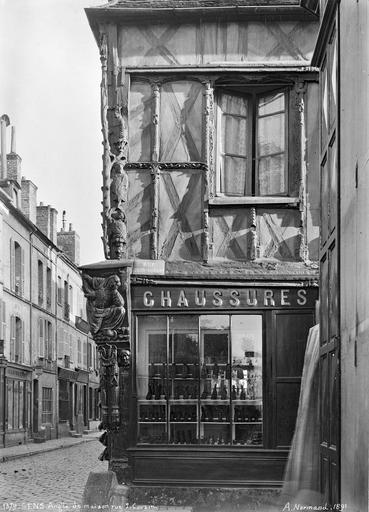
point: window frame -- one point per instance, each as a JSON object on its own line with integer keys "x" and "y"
{"x": 253, "y": 93}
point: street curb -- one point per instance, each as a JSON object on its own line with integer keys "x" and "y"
{"x": 7, "y": 458}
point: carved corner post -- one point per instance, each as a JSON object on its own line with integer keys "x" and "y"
{"x": 106, "y": 289}
{"x": 303, "y": 249}
{"x": 114, "y": 120}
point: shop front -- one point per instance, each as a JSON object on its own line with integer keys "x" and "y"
{"x": 73, "y": 401}
{"x": 16, "y": 413}
{"x": 216, "y": 380}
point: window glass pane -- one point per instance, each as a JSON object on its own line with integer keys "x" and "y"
{"x": 271, "y": 103}
{"x": 214, "y": 378}
{"x": 234, "y": 135}
{"x": 233, "y": 175}
{"x": 332, "y": 82}
{"x": 247, "y": 379}
{"x": 151, "y": 379}
{"x": 272, "y": 177}
{"x": 235, "y": 143}
{"x": 181, "y": 120}
{"x": 271, "y": 134}
{"x": 140, "y": 122}
{"x": 183, "y": 378}
{"x": 324, "y": 106}
{"x": 231, "y": 104}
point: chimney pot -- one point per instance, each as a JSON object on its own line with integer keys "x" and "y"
{"x": 70, "y": 227}
{"x": 13, "y": 145}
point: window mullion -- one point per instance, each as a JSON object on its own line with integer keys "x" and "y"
{"x": 253, "y": 123}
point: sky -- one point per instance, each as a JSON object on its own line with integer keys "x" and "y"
{"x": 49, "y": 87}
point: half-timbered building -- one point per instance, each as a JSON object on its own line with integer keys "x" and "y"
{"x": 211, "y": 219}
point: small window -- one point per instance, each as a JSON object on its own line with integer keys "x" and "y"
{"x": 252, "y": 143}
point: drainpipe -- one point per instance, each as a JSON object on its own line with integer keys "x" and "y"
{"x": 56, "y": 346}
{"x": 30, "y": 324}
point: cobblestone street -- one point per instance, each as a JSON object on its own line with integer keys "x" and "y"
{"x": 49, "y": 481}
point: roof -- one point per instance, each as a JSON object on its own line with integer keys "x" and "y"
{"x": 191, "y": 4}
{"x": 131, "y": 11}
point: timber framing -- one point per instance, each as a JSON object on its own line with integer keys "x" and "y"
{"x": 129, "y": 12}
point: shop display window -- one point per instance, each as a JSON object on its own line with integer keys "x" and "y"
{"x": 199, "y": 380}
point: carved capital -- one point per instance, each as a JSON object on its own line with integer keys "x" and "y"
{"x": 105, "y": 307}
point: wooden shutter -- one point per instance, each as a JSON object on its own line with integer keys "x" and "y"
{"x": 3, "y": 320}
{"x": 60, "y": 342}
{"x": 22, "y": 272}
{"x": 51, "y": 341}
{"x": 12, "y": 265}
{"x": 46, "y": 338}
{"x": 12, "y": 338}
{"x": 23, "y": 344}
{"x": 41, "y": 337}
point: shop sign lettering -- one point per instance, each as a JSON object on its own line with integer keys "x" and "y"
{"x": 226, "y": 298}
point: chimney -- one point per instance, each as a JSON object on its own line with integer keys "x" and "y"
{"x": 53, "y": 225}
{"x": 43, "y": 219}
{"x": 29, "y": 199}
{"x": 4, "y": 120}
{"x": 68, "y": 241}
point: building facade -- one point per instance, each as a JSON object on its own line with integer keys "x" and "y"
{"x": 49, "y": 377}
{"x": 211, "y": 225}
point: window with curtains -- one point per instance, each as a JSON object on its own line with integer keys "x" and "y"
{"x": 252, "y": 143}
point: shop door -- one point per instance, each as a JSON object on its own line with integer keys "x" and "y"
{"x": 71, "y": 406}
{"x": 35, "y": 406}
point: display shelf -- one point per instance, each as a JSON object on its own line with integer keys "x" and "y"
{"x": 259, "y": 422}
{"x": 247, "y": 401}
{"x": 210, "y": 401}
{"x": 183, "y": 401}
{"x": 152, "y": 401}
{"x": 153, "y": 422}
{"x": 183, "y": 422}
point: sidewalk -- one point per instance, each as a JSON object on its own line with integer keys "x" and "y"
{"x": 26, "y": 450}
